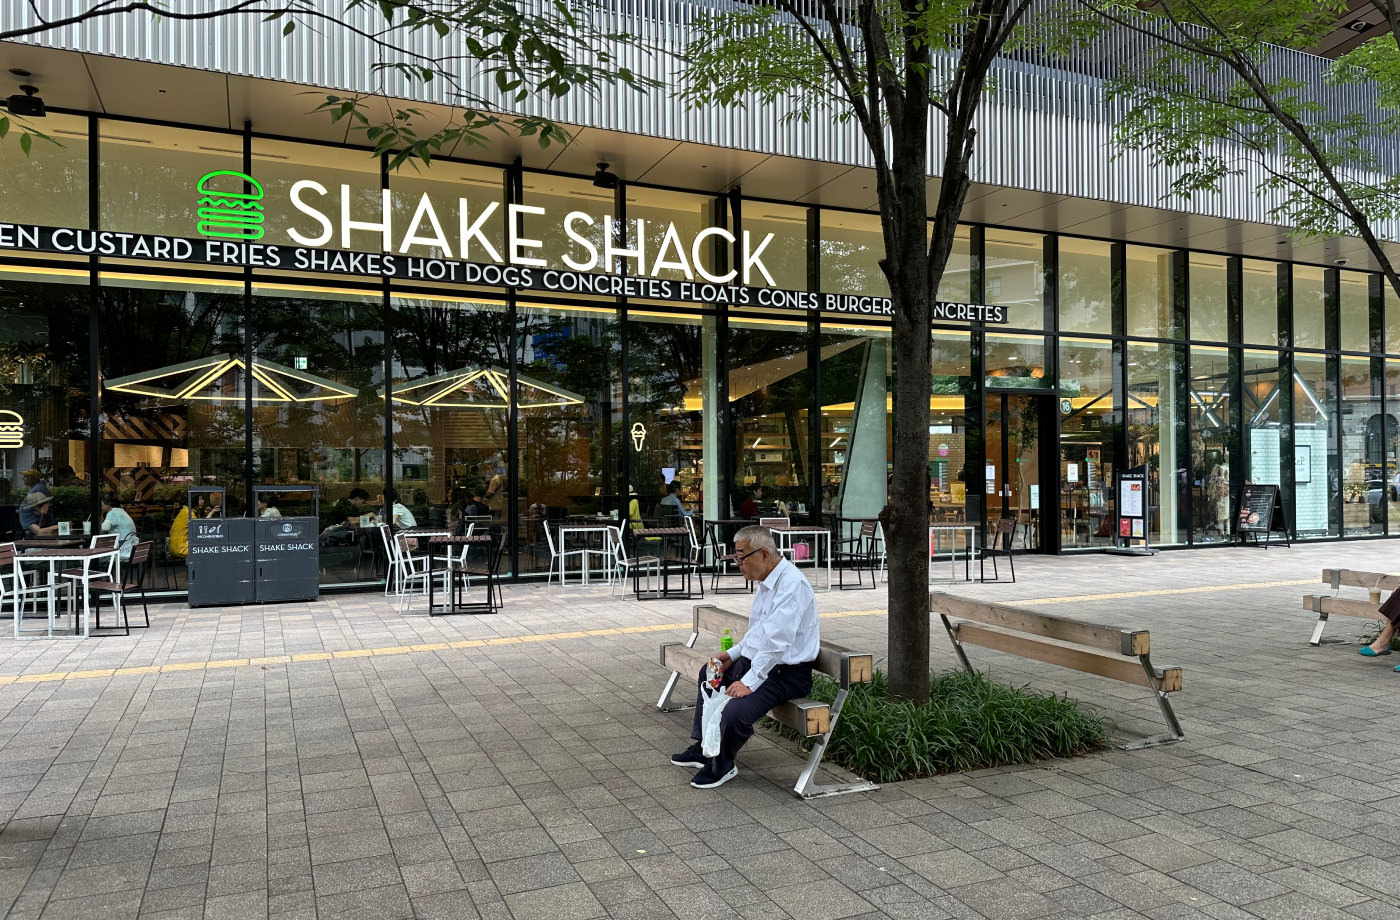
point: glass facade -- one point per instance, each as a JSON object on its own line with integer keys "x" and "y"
{"x": 1206, "y": 370}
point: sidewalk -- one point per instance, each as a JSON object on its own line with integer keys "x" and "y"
{"x": 339, "y": 760}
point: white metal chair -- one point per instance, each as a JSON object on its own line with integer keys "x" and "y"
{"x": 777, "y": 524}
{"x": 391, "y": 555}
{"x": 414, "y": 569}
{"x": 559, "y": 554}
{"x": 696, "y": 548}
{"x": 625, "y": 566}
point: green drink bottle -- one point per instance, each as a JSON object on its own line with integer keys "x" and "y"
{"x": 726, "y": 641}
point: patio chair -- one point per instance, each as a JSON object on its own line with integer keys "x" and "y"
{"x": 859, "y": 553}
{"x": 1000, "y": 545}
{"x": 132, "y": 578}
{"x": 625, "y": 566}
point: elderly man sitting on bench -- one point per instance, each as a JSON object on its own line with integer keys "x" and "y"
{"x": 772, "y": 663}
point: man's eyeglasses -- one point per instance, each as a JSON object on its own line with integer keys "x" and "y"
{"x": 740, "y": 557}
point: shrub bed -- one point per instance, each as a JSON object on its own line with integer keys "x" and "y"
{"x": 970, "y": 723}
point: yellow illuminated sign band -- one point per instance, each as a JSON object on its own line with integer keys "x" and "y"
{"x": 481, "y": 388}
{"x": 11, "y": 430}
{"x": 197, "y": 381}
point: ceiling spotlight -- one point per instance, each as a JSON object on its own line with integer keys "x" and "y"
{"x": 20, "y": 72}
{"x": 604, "y": 179}
{"x": 1341, "y": 261}
{"x": 28, "y": 105}
{"x": 1359, "y": 25}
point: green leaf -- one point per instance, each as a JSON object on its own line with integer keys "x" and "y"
{"x": 289, "y": 28}
{"x": 25, "y": 143}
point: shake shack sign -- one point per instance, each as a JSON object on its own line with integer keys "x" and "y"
{"x": 451, "y": 243}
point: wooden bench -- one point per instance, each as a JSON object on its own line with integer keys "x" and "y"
{"x": 1114, "y": 652}
{"x": 809, "y": 718}
{"x": 1327, "y": 604}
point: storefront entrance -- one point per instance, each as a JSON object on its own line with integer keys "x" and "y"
{"x": 1015, "y": 423}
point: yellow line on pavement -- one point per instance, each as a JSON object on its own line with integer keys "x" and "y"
{"x": 531, "y": 638}
{"x": 339, "y": 654}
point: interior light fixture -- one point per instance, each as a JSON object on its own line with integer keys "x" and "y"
{"x": 197, "y": 381}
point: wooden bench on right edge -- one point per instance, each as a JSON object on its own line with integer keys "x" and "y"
{"x": 809, "y": 718}
{"x": 1108, "y": 651}
{"x": 1326, "y": 604}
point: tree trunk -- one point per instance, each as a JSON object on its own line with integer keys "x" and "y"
{"x": 906, "y": 515}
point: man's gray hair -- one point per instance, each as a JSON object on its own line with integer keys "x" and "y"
{"x": 757, "y": 537}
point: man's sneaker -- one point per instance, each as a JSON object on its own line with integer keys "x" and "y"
{"x": 707, "y": 780}
{"x": 692, "y": 757}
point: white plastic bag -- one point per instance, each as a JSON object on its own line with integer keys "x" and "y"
{"x": 715, "y": 701}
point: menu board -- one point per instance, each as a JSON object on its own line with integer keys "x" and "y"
{"x": 1261, "y": 511}
{"x": 1257, "y": 509}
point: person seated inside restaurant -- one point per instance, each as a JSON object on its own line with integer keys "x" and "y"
{"x": 266, "y": 508}
{"x": 671, "y": 505}
{"x": 475, "y": 506}
{"x": 34, "y": 482}
{"x": 179, "y": 541}
{"x": 749, "y": 509}
{"x": 402, "y": 517}
{"x": 352, "y": 507}
{"x": 116, "y": 520}
{"x": 65, "y": 476}
{"x": 34, "y": 517}
{"x": 216, "y": 505}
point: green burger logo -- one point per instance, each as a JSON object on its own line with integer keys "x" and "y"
{"x": 232, "y": 215}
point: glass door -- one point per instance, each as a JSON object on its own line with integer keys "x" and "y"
{"x": 1012, "y": 474}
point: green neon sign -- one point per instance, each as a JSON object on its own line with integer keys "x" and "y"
{"x": 235, "y": 215}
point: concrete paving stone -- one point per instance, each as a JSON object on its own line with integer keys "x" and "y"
{"x": 531, "y": 872}
{"x": 1375, "y": 910}
{"x": 349, "y": 845}
{"x": 950, "y": 869}
{"x": 1312, "y": 884}
{"x": 445, "y": 905}
{"x": 1229, "y": 882}
{"x": 237, "y": 878}
{"x": 1005, "y": 899}
{"x": 1306, "y": 848}
{"x": 116, "y": 905}
{"x": 1295, "y": 906}
{"x": 388, "y": 903}
{"x": 565, "y": 902}
{"x": 250, "y": 905}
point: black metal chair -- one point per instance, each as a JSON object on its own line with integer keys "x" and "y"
{"x": 857, "y": 552}
{"x": 133, "y": 578}
{"x": 1000, "y": 545}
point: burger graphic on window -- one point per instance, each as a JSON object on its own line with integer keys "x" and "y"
{"x": 226, "y": 210}
{"x": 11, "y": 430}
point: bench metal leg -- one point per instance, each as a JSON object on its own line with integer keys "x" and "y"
{"x": 1174, "y": 732}
{"x": 957, "y": 646}
{"x": 1321, "y": 620}
{"x": 666, "y": 691}
{"x": 806, "y": 787}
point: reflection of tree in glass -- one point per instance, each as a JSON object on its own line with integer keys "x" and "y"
{"x": 663, "y": 363}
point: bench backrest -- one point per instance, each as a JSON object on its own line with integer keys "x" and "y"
{"x": 833, "y": 660}
{"x": 1354, "y": 579}
{"x": 1134, "y": 642}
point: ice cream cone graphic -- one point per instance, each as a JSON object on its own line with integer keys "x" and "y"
{"x": 230, "y": 214}
{"x": 639, "y": 435}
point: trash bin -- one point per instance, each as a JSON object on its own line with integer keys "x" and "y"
{"x": 220, "y": 563}
{"x": 287, "y": 558}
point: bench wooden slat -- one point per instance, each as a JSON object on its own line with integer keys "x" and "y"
{"x": 711, "y": 619}
{"x": 1354, "y": 579}
{"x": 1341, "y": 606}
{"x": 808, "y": 717}
{"x": 1087, "y": 660}
{"x": 1095, "y": 635}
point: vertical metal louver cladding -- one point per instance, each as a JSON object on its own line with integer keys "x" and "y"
{"x": 1047, "y": 127}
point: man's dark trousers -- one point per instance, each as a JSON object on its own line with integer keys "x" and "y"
{"x": 785, "y": 682}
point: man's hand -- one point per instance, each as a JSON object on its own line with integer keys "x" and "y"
{"x": 738, "y": 690}
{"x": 723, "y": 660}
